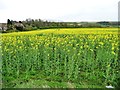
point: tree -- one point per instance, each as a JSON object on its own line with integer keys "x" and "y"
{"x": 9, "y": 24}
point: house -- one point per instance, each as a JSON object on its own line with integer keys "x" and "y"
{"x": 3, "y": 26}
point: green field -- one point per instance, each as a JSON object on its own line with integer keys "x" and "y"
{"x": 62, "y": 58}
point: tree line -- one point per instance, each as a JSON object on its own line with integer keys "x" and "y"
{"x": 34, "y": 24}
{"x": 31, "y": 24}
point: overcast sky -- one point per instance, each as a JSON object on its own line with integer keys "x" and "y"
{"x": 59, "y": 10}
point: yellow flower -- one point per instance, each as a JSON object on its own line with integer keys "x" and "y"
{"x": 101, "y": 43}
{"x": 78, "y": 54}
{"x": 113, "y": 52}
{"x": 91, "y": 50}
{"x": 112, "y": 48}
{"x": 81, "y": 47}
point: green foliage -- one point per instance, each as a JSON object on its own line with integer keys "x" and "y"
{"x": 31, "y": 24}
{"x": 9, "y": 25}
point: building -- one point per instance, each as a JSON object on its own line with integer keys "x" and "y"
{"x": 3, "y": 26}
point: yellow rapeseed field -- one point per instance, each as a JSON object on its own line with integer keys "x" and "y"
{"x": 69, "y": 55}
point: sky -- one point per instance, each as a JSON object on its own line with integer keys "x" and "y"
{"x": 59, "y": 10}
